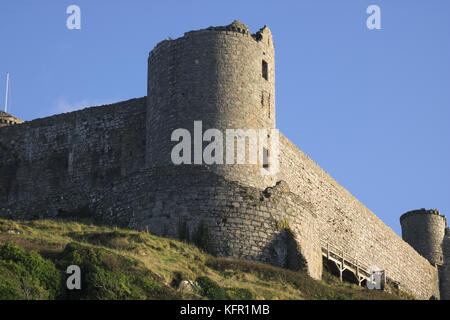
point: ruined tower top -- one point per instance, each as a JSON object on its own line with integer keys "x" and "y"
{"x": 423, "y": 211}
{"x": 7, "y": 119}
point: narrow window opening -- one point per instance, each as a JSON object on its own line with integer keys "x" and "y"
{"x": 265, "y": 158}
{"x": 265, "y": 70}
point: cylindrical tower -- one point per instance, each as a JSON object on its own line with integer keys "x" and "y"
{"x": 424, "y": 230}
{"x": 444, "y": 276}
{"x": 221, "y": 76}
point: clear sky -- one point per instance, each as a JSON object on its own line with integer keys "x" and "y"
{"x": 371, "y": 107}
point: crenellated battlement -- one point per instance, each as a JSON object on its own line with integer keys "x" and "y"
{"x": 237, "y": 28}
{"x": 434, "y": 212}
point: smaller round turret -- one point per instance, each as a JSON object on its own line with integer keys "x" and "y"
{"x": 7, "y": 119}
{"x": 424, "y": 231}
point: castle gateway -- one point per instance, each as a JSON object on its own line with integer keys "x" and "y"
{"x": 114, "y": 163}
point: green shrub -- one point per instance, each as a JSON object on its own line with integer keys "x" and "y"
{"x": 109, "y": 276}
{"x": 16, "y": 284}
{"x": 107, "y": 285}
{"x": 210, "y": 289}
{"x": 37, "y": 277}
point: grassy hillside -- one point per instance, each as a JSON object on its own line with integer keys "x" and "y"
{"x": 124, "y": 264}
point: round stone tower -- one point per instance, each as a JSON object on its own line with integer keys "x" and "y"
{"x": 7, "y": 119}
{"x": 424, "y": 230}
{"x": 221, "y": 76}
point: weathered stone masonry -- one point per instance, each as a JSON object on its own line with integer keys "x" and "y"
{"x": 52, "y": 164}
{"x": 346, "y": 223}
{"x": 113, "y": 162}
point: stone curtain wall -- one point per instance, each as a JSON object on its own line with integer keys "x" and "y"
{"x": 93, "y": 159}
{"x": 346, "y": 223}
{"x": 51, "y": 164}
{"x": 91, "y": 162}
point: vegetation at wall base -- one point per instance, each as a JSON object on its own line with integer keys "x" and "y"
{"x": 122, "y": 264}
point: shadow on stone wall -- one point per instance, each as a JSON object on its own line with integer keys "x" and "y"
{"x": 284, "y": 251}
{"x": 330, "y": 269}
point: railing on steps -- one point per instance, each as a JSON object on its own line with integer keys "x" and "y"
{"x": 344, "y": 261}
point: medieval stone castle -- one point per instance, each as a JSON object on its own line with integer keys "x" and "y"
{"x": 113, "y": 163}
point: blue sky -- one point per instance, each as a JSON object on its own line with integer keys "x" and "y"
{"x": 371, "y": 107}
